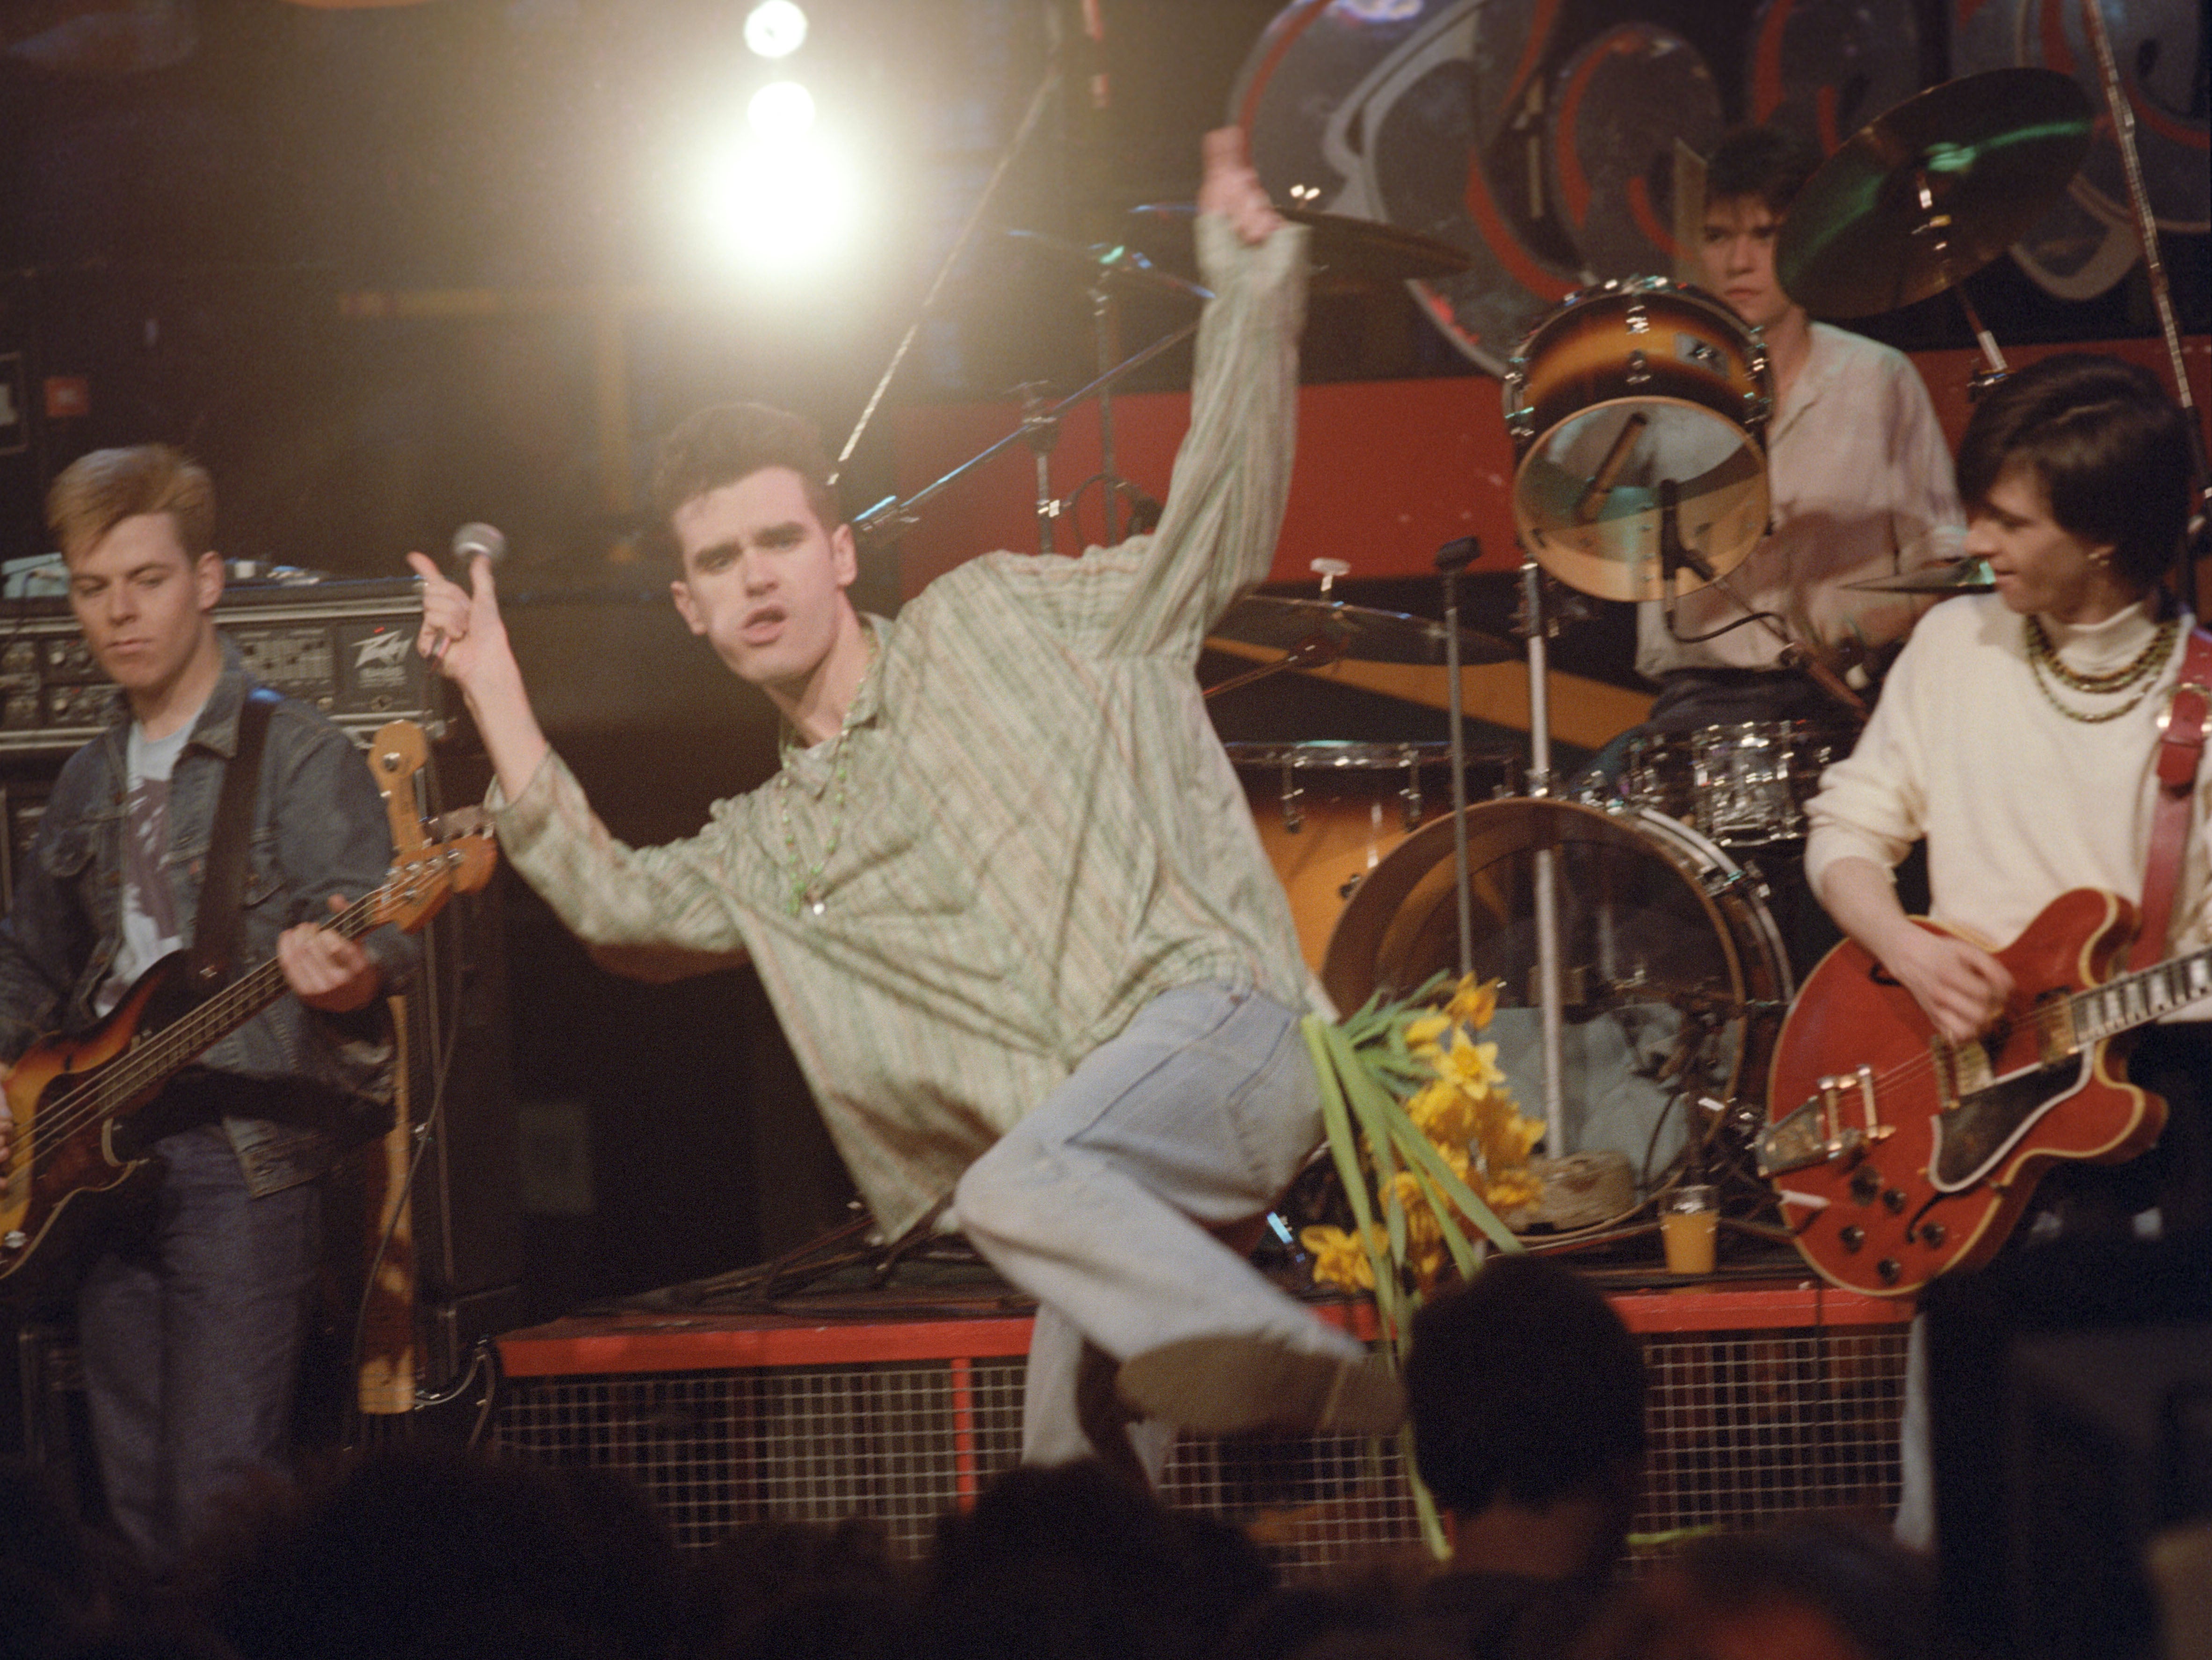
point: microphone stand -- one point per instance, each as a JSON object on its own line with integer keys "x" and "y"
{"x": 1675, "y": 555}
{"x": 1047, "y": 84}
{"x": 892, "y": 511}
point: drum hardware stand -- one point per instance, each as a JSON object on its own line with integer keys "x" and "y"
{"x": 1546, "y": 862}
{"x": 1452, "y": 558}
{"x": 1041, "y": 432}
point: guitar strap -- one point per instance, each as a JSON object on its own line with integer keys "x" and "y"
{"x": 2181, "y": 743}
{"x": 215, "y": 929}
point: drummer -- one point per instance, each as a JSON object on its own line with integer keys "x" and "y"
{"x": 1861, "y": 484}
{"x": 1857, "y": 470}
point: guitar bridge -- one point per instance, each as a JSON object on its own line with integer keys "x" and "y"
{"x": 1814, "y": 1133}
{"x": 1798, "y": 1141}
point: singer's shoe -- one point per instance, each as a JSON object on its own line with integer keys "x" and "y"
{"x": 1221, "y": 1385}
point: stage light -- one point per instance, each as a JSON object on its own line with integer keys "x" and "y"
{"x": 786, "y": 205}
{"x": 775, "y": 28}
{"x": 782, "y": 111}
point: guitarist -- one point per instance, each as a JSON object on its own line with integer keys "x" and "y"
{"x": 192, "y": 1310}
{"x": 2019, "y": 734}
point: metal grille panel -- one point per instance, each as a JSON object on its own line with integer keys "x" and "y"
{"x": 1745, "y": 1426}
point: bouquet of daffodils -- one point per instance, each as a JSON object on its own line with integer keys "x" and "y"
{"x": 1429, "y": 1144}
{"x": 1428, "y": 1141}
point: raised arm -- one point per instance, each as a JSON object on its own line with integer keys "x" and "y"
{"x": 466, "y": 638}
{"x": 1224, "y": 505}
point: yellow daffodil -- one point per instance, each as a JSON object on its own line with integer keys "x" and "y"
{"x": 1424, "y": 1033}
{"x": 1338, "y": 1258}
{"x": 1472, "y": 1002}
{"x": 1474, "y": 1067}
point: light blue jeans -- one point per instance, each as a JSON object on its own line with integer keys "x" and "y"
{"x": 1104, "y": 1205}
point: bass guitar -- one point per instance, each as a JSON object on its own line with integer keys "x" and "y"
{"x": 73, "y": 1154}
{"x": 1898, "y": 1155}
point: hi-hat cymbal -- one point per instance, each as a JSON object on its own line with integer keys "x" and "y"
{"x": 1286, "y": 623}
{"x": 1366, "y": 249}
{"x": 1960, "y": 576}
{"x": 1932, "y": 192}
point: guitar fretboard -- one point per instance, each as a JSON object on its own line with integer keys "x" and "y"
{"x": 2134, "y": 1000}
{"x": 176, "y": 1046}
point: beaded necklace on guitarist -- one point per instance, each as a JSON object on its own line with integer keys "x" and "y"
{"x": 190, "y": 1306}
{"x": 2048, "y": 1033}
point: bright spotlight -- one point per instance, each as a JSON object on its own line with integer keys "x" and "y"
{"x": 783, "y": 206}
{"x": 781, "y": 110}
{"x": 775, "y": 28}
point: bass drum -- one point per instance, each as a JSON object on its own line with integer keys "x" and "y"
{"x": 1674, "y": 980}
{"x": 1327, "y": 812}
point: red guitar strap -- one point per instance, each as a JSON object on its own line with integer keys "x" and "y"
{"x": 2181, "y": 742}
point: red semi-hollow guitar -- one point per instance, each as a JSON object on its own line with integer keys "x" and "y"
{"x": 73, "y": 1098}
{"x": 1898, "y": 1155}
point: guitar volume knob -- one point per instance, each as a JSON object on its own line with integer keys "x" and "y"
{"x": 1852, "y": 1236}
{"x": 1888, "y": 1269}
{"x": 1895, "y": 1201}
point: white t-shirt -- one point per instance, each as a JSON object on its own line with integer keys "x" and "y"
{"x": 151, "y": 929}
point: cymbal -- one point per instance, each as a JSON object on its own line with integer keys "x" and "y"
{"x": 1992, "y": 154}
{"x": 1353, "y": 631}
{"x": 1361, "y": 248}
{"x": 1115, "y": 263}
{"x": 1960, "y": 576}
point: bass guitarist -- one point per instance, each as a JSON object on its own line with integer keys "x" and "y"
{"x": 192, "y": 1308}
{"x": 2020, "y": 734}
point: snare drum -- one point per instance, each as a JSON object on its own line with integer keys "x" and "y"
{"x": 1328, "y": 812}
{"x": 1743, "y": 784}
{"x": 1622, "y": 386}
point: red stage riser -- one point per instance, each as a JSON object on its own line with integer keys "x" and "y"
{"x": 1766, "y": 1401}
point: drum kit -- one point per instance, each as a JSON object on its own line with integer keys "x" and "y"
{"x": 1642, "y": 977}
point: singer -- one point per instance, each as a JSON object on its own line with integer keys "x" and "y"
{"x": 1005, "y": 892}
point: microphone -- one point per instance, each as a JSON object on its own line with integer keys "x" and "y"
{"x": 472, "y": 539}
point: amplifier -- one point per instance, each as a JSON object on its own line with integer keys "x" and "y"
{"x": 345, "y": 648}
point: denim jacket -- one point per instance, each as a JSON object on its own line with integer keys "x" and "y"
{"x": 318, "y": 829}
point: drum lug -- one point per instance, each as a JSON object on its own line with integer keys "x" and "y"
{"x": 1639, "y": 369}
{"x": 1410, "y": 797}
{"x": 1716, "y": 883}
{"x": 1636, "y": 319}
{"x": 1294, "y": 813}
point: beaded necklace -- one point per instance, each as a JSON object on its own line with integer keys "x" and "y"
{"x": 2044, "y": 663}
{"x": 806, "y": 884}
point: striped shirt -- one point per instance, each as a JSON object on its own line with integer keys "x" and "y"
{"x": 1039, "y": 832}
